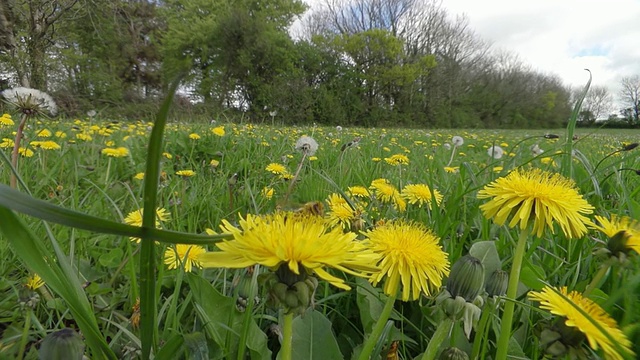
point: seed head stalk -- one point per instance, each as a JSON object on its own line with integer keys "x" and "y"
{"x": 16, "y": 149}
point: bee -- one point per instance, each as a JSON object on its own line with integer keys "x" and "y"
{"x": 312, "y": 208}
{"x": 392, "y": 354}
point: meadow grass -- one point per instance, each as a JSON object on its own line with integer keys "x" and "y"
{"x": 230, "y": 179}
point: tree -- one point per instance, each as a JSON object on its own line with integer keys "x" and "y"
{"x": 29, "y": 29}
{"x": 596, "y": 105}
{"x": 630, "y": 96}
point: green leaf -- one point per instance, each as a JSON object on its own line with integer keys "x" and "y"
{"x": 313, "y": 338}
{"x": 488, "y": 254}
{"x": 223, "y": 322}
{"x": 196, "y": 345}
{"x": 370, "y": 303}
{"x": 58, "y": 274}
{"x": 531, "y": 276}
{"x": 23, "y": 203}
{"x": 112, "y": 258}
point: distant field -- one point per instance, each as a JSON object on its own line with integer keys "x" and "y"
{"x": 222, "y": 171}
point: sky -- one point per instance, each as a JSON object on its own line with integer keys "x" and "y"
{"x": 561, "y": 37}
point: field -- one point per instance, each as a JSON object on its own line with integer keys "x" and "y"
{"x": 359, "y": 182}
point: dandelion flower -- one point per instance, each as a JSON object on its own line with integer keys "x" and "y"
{"x": 397, "y": 159}
{"x": 299, "y": 243}
{"x": 214, "y": 163}
{"x": 617, "y": 224}
{"x": 340, "y": 212}
{"x": 194, "y": 136}
{"x": 457, "y": 141}
{"x": 139, "y": 176}
{"x": 535, "y": 150}
{"x": 45, "y": 133}
{"x": 25, "y": 152}
{"x": 359, "y": 191}
{"x": 267, "y": 192}
{"x": 167, "y": 155}
{"x": 34, "y": 282}
{"x": 495, "y": 152}
{"x": 452, "y": 169}
{"x": 5, "y": 120}
{"x": 409, "y": 255}
{"x": 307, "y": 145}
{"x": 421, "y": 194}
{"x": 387, "y": 193}
{"x": 566, "y": 305}
{"x": 134, "y": 218}
{"x": 219, "y": 131}
{"x": 6, "y": 143}
{"x": 186, "y": 173}
{"x": 183, "y": 255}
{"x": 49, "y": 145}
{"x": 538, "y": 196}
{"x": 277, "y": 169}
{"x": 115, "y": 152}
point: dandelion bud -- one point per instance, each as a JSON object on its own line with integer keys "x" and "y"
{"x": 467, "y": 278}
{"x": 551, "y": 136}
{"x": 497, "y": 283}
{"x": 629, "y": 147}
{"x": 63, "y": 344}
{"x": 453, "y": 353}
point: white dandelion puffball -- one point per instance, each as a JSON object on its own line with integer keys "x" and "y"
{"x": 457, "y": 140}
{"x": 27, "y": 98}
{"x": 307, "y": 144}
{"x": 495, "y": 152}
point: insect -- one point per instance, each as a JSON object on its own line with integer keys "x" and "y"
{"x": 310, "y": 209}
{"x": 392, "y": 354}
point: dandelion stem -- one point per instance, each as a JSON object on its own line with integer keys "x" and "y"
{"x": 512, "y": 290}
{"x": 16, "y": 150}
{"x": 596, "y": 279}
{"x": 438, "y": 338}
{"x": 453, "y": 152}
{"x": 295, "y": 177}
{"x": 287, "y": 336}
{"x": 378, "y": 327}
{"x": 106, "y": 177}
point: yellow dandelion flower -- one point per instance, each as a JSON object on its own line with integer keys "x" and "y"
{"x": 167, "y": 155}
{"x": 340, "y": 212}
{"x": 115, "y": 152}
{"x": 397, "y": 159}
{"x": 34, "y": 282}
{"x": 421, "y": 194}
{"x": 286, "y": 176}
{"x": 134, "y": 218}
{"x": 313, "y": 158}
{"x": 218, "y": 131}
{"x": 186, "y": 173}
{"x": 538, "y": 196}
{"x": 300, "y": 243}
{"x": 84, "y": 137}
{"x": 25, "y": 152}
{"x": 376, "y": 159}
{"x": 267, "y": 192}
{"x": 452, "y": 169}
{"x": 611, "y": 228}
{"x": 183, "y": 256}
{"x": 277, "y": 169}
{"x": 139, "y": 176}
{"x": 565, "y": 304}
{"x": 409, "y": 255}
{"x": 359, "y": 191}
{"x": 6, "y": 143}
{"x": 194, "y": 136}
{"x": 5, "y": 120}
{"x": 49, "y": 145}
{"x": 44, "y": 133}
{"x": 61, "y": 134}
{"x": 214, "y": 163}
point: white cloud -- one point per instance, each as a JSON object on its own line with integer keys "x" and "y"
{"x": 563, "y": 37}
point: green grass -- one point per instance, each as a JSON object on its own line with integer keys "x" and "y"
{"x": 202, "y": 321}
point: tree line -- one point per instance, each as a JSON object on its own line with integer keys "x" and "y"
{"x": 354, "y": 63}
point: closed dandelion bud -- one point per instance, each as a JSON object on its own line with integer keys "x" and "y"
{"x": 279, "y": 291}
{"x": 551, "y": 136}
{"x": 245, "y": 285}
{"x": 303, "y": 293}
{"x": 64, "y": 344}
{"x": 291, "y": 299}
{"x": 467, "y": 278}
{"x": 497, "y": 283}
{"x": 629, "y": 147}
{"x": 453, "y": 353}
